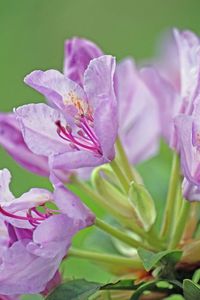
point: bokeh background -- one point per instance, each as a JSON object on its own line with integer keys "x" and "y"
{"x": 32, "y": 35}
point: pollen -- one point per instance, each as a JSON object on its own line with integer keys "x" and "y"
{"x": 72, "y": 99}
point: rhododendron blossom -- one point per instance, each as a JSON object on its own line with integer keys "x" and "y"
{"x": 101, "y": 121}
{"x": 34, "y": 242}
{"x": 78, "y": 131}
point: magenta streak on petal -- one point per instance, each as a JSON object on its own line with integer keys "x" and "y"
{"x": 86, "y": 139}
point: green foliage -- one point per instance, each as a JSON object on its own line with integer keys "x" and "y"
{"x": 151, "y": 260}
{"x": 191, "y": 290}
{"x": 143, "y": 204}
{"x": 79, "y": 289}
{"x": 154, "y": 286}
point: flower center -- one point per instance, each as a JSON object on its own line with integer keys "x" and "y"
{"x": 85, "y": 137}
{"x": 72, "y": 99}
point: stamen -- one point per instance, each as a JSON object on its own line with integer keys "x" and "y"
{"x": 86, "y": 138}
{"x": 27, "y": 218}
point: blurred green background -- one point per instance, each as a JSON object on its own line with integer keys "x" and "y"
{"x": 32, "y": 35}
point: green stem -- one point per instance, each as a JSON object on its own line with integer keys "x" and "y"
{"x": 98, "y": 199}
{"x": 124, "y": 161}
{"x": 120, "y": 175}
{"x": 173, "y": 183}
{"x": 180, "y": 226}
{"x": 117, "y": 214}
{"x": 106, "y": 258}
{"x": 123, "y": 237}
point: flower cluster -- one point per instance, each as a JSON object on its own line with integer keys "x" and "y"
{"x": 100, "y": 119}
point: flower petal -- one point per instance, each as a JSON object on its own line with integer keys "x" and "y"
{"x": 10, "y": 136}
{"x": 98, "y": 84}
{"x": 5, "y": 193}
{"x": 78, "y": 53}
{"x": 24, "y": 273}
{"x": 59, "y": 90}
{"x": 188, "y": 45}
{"x": 33, "y": 198}
{"x": 39, "y": 129}
{"x": 72, "y": 206}
{"x": 75, "y": 159}
{"x": 139, "y": 126}
{"x": 167, "y": 99}
{"x": 183, "y": 125}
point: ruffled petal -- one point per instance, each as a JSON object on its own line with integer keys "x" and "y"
{"x": 71, "y": 205}
{"x": 183, "y": 125}
{"x": 188, "y": 45}
{"x": 76, "y": 159}
{"x": 78, "y": 53}
{"x": 58, "y": 89}
{"x": 39, "y": 129}
{"x": 168, "y": 101}
{"x": 139, "y": 126}
{"x": 5, "y": 193}
{"x": 22, "y": 272}
{"x": 33, "y": 198}
{"x": 10, "y": 136}
{"x": 99, "y": 87}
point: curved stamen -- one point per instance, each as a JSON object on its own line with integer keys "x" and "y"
{"x": 83, "y": 142}
{"x": 27, "y": 218}
{"x": 89, "y": 132}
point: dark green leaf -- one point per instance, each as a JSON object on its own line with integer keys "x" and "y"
{"x": 167, "y": 288}
{"x": 175, "y": 297}
{"x": 191, "y": 290}
{"x": 151, "y": 259}
{"x": 196, "y": 276}
{"x": 79, "y": 289}
{"x": 127, "y": 284}
{"x": 149, "y": 286}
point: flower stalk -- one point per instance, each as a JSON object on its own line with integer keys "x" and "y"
{"x": 123, "y": 180}
{"x": 180, "y": 226}
{"x": 171, "y": 196}
{"x": 120, "y": 235}
{"x": 133, "y": 263}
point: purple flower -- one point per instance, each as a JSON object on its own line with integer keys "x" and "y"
{"x": 188, "y": 133}
{"x": 34, "y": 240}
{"x": 137, "y": 110}
{"x": 81, "y": 129}
{"x": 12, "y": 140}
{"x": 175, "y": 99}
{"x": 139, "y": 127}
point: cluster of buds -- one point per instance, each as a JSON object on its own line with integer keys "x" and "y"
{"x": 100, "y": 120}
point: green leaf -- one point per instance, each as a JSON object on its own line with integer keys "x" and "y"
{"x": 127, "y": 284}
{"x": 149, "y": 286}
{"x": 175, "y": 297}
{"x": 191, "y": 290}
{"x": 167, "y": 287}
{"x": 151, "y": 259}
{"x": 79, "y": 289}
{"x": 196, "y": 276}
{"x": 143, "y": 204}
